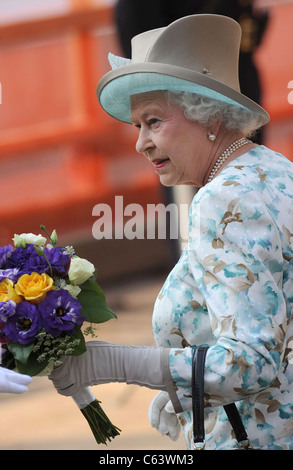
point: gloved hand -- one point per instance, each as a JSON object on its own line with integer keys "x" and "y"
{"x": 163, "y": 417}
{"x": 13, "y": 382}
{"x": 104, "y": 362}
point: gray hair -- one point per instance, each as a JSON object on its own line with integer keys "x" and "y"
{"x": 207, "y": 110}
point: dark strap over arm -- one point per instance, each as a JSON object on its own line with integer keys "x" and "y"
{"x": 198, "y": 367}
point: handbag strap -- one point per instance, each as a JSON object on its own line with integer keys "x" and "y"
{"x": 237, "y": 424}
{"x": 198, "y": 367}
{"x": 198, "y": 361}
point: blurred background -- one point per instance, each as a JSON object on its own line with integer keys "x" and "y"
{"x": 60, "y": 155}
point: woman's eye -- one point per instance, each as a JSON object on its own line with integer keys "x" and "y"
{"x": 153, "y": 121}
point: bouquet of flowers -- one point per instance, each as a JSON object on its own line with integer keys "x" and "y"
{"x": 47, "y": 293}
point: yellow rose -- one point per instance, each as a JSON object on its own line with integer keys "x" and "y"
{"x": 7, "y": 291}
{"x": 33, "y": 287}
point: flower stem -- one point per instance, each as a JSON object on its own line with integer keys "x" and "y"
{"x": 101, "y": 426}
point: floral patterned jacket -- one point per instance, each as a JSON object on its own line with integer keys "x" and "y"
{"x": 232, "y": 289}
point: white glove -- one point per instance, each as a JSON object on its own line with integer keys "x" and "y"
{"x": 13, "y": 382}
{"x": 104, "y": 362}
{"x": 163, "y": 417}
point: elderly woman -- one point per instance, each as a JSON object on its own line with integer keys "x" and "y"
{"x": 232, "y": 287}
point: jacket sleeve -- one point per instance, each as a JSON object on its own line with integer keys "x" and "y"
{"x": 235, "y": 256}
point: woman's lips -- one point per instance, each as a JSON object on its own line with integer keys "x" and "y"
{"x": 160, "y": 163}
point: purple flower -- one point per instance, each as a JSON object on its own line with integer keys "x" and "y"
{"x": 10, "y": 273}
{"x": 58, "y": 260}
{"x": 27, "y": 260}
{"x": 60, "y": 312}
{"x": 5, "y": 252}
{"x": 3, "y": 342}
{"x": 7, "y": 309}
{"x": 24, "y": 325}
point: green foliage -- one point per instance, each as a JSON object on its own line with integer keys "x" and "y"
{"x": 94, "y": 306}
{"x": 46, "y": 351}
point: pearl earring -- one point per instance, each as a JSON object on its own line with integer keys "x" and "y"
{"x": 212, "y": 137}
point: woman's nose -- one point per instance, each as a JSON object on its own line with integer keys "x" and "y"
{"x": 144, "y": 141}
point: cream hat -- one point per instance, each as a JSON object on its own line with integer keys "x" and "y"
{"x": 197, "y": 53}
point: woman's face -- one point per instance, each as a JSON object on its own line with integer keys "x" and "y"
{"x": 176, "y": 146}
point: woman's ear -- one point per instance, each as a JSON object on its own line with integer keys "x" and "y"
{"x": 213, "y": 130}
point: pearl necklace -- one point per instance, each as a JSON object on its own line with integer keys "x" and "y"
{"x": 222, "y": 158}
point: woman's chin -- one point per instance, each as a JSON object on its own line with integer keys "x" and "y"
{"x": 168, "y": 180}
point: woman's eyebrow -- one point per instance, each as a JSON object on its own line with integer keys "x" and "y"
{"x": 143, "y": 117}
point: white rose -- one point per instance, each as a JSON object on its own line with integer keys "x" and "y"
{"x": 80, "y": 270}
{"x": 73, "y": 290}
{"x": 23, "y": 238}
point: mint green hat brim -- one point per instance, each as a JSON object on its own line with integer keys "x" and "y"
{"x": 115, "y": 96}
